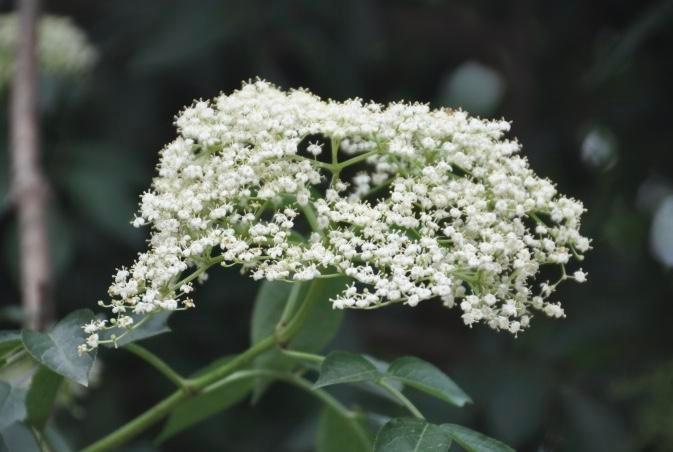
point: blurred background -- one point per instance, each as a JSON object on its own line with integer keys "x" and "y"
{"x": 588, "y": 88}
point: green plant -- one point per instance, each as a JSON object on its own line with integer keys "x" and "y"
{"x": 336, "y": 205}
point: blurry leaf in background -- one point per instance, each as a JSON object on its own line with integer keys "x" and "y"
{"x": 473, "y": 87}
{"x": 653, "y": 394}
{"x": 620, "y": 54}
{"x": 652, "y": 192}
{"x": 41, "y": 396}
{"x": 12, "y": 404}
{"x": 596, "y": 427}
{"x": 9, "y": 340}
{"x": 57, "y": 348}
{"x": 205, "y": 405}
{"x": 4, "y": 178}
{"x": 661, "y": 233}
{"x": 171, "y": 42}
{"x": 103, "y": 183}
{"x": 599, "y": 149}
{"x": 517, "y": 405}
{"x": 19, "y": 371}
{"x": 18, "y": 437}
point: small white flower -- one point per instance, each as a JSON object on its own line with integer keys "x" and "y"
{"x": 442, "y": 205}
{"x": 92, "y": 341}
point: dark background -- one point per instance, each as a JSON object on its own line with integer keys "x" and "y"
{"x": 588, "y": 86}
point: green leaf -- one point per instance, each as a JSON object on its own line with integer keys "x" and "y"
{"x": 9, "y": 341}
{"x": 345, "y": 367}
{"x": 95, "y": 179}
{"x": 336, "y": 434}
{"x": 321, "y": 324}
{"x": 269, "y": 303}
{"x": 411, "y": 434}
{"x": 57, "y": 348}
{"x": 12, "y": 404}
{"x": 205, "y": 405}
{"x": 320, "y": 327}
{"x": 18, "y": 437}
{"x": 41, "y": 396}
{"x": 473, "y": 441}
{"x": 425, "y": 377}
{"x": 56, "y": 441}
{"x": 155, "y": 325}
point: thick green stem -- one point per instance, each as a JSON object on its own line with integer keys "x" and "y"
{"x": 138, "y": 425}
{"x": 322, "y": 395}
{"x": 193, "y": 386}
{"x": 157, "y": 363}
{"x": 303, "y": 356}
{"x": 150, "y": 417}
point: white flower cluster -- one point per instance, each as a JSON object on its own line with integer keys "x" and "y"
{"x": 63, "y": 49}
{"x": 411, "y": 203}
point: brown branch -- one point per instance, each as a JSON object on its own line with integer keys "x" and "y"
{"x": 29, "y": 189}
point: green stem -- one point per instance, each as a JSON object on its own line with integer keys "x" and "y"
{"x": 357, "y": 159}
{"x": 290, "y": 305}
{"x": 286, "y": 332}
{"x": 194, "y": 386}
{"x": 311, "y": 217}
{"x": 157, "y": 363}
{"x": 132, "y": 429}
{"x": 402, "y": 398}
{"x": 150, "y": 417}
{"x": 322, "y": 395}
{"x": 303, "y": 356}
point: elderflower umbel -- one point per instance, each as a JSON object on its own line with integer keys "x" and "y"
{"x": 63, "y": 49}
{"x": 440, "y": 206}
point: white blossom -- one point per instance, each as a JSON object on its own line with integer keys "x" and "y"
{"x": 63, "y": 49}
{"x": 442, "y": 206}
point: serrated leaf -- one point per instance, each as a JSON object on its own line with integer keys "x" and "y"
{"x": 155, "y": 325}
{"x": 18, "y": 437}
{"x": 9, "y": 340}
{"x": 473, "y": 441}
{"x": 336, "y": 434}
{"x": 12, "y": 404}
{"x": 345, "y": 367}
{"x": 41, "y": 396}
{"x": 411, "y": 434}
{"x": 205, "y": 405}
{"x": 427, "y": 378}
{"x": 57, "y": 348}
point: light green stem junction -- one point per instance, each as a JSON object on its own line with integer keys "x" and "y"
{"x": 191, "y": 387}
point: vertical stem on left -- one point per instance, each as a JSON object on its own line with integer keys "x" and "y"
{"x": 29, "y": 188}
